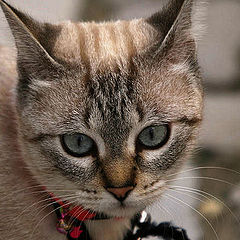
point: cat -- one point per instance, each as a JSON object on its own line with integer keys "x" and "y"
{"x": 98, "y": 115}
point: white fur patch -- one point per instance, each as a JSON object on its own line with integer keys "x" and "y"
{"x": 108, "y": 229}
{"x": 181, "y": 68}
{"x": 39, "y": 84}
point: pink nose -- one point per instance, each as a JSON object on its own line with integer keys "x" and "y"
{"x": 120, "y": 193}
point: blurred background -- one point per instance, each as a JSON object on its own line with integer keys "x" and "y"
{"x": 212, "y": 210}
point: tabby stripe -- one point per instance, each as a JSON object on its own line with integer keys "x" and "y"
{"x": 83, "y": 46}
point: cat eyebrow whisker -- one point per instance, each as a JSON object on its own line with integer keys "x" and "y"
{"x": 38, "y": 138}
{"x": 191, "y": 121}
{"x": 140, "y": 111}
{"x": 161, "y": 207}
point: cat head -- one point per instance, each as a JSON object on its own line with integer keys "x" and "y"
{"x": 107, "y": 111}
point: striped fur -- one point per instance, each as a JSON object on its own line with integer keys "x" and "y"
{"x": 103, "y": 46}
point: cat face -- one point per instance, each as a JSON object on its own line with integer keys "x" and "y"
{"x": 106, "y": 106}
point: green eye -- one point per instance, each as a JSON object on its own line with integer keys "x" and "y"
{"x": 77, "y": 145}
{"x": 154, "y": 137}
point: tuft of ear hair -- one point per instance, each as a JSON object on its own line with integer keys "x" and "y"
{"x": 180, "y": 24}
{"x": 34, "y": 41}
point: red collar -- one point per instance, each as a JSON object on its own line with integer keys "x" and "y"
{"x": 70, "y": 219}
{"x": 76, "y": 212}
{"x": 71, "y": 223}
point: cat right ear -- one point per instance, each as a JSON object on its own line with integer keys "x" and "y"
{"x": 34, "y": 42}
{"x": 179, "y": 24}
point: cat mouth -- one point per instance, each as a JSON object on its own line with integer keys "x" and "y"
{"x": 121, "y": 211}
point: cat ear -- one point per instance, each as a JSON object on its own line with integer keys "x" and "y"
{"x": 34, "y": 42}
{"x": 179, "y": 25}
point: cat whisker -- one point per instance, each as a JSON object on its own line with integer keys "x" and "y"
{"x": 53, "y": 211}
{"x": 168, "y": 212}
{"x": 151, "y": 194}
{"x": 33, "y": 187}
{"x": 178, "y": 201}
{"x": 36, "y": 203}
{"x": 201, "y": 193}
{"x": 72, "y": 219}
{"x": 163, "y": 209}
{"x": 78, "y": 213}
{"x": 204, "y": 168}
{"x": 186, "y": 194}
{"x": 93, "y": 222}
{"x": 154, "y": 187}
{"x": 202, "y": 177}
{"x": 89, "y": 227}
{"x": 42, "y": 208}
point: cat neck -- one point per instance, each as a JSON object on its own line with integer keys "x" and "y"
{"x": 109, "y": 229}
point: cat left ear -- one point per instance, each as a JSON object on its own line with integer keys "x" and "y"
{"x": 34, "y": 41}
{"x": 178, "y": 25}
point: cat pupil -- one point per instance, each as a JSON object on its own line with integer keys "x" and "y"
{"x": 79, "y": 141}
{"x": 151, "y": 134}
{"x": 77, "y": 144}
{"x": 154, "y": 136}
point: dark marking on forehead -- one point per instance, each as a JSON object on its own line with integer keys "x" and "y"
{"x": 86, "y": 116}
{"x": 190, "y": 122}
{"x": 113, "y": 98}
{"x": 140, "y": 111}
{"x": 113, "y": 92}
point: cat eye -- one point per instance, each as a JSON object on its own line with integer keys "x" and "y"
{"x": 154, "y": 137}
{"x": 77, "y": 145}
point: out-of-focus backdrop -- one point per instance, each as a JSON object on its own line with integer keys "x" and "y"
{"x": 212, "y": 211}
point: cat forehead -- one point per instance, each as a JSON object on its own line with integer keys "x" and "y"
{"x": 102, "y": 45}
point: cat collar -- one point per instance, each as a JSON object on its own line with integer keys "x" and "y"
{"x": 70, "y": 221}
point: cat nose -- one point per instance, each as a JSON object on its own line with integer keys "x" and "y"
{"x": 120, "y": 193}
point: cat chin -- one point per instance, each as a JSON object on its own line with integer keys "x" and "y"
{"x": 121, "y": 211}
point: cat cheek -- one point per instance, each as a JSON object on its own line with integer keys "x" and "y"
{"x": 84, "y": 162}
